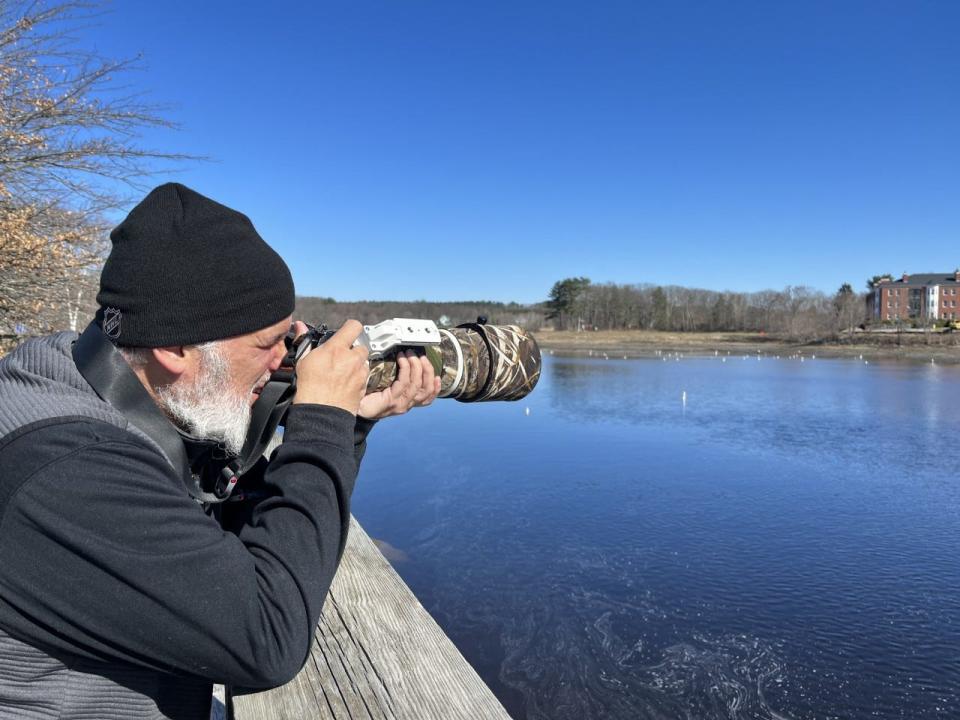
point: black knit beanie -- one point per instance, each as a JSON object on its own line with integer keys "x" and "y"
{"x": 185, "y": 270}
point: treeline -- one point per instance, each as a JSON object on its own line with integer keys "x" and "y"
{"x": 795, "y": 312}
{"x": 328, "y": 311}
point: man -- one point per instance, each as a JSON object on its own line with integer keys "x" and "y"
{"x": 121, "y": 595}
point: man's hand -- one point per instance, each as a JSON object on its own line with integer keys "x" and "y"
{"x": 416, "y": 385}
{"x": 334, "y": 373}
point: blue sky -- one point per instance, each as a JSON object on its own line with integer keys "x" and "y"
{"x": 444, "y": 150}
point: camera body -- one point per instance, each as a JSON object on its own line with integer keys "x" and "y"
{"x": 383, "y": 341}
{"x": 475, "y": 362}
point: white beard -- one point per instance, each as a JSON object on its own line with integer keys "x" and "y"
{"x": 210, "y": 408}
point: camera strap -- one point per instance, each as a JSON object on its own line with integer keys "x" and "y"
{"x": 102, "y": 365}
{"x": 267, "y": 413}
{"x": 265, "y": 417}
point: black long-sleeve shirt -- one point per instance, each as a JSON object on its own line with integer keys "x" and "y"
{"x": 104, "y": 556}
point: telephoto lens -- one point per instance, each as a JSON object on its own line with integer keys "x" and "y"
{"x": 476, "y": 362}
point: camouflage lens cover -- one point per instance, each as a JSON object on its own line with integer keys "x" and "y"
{"x": 476, "y": 363}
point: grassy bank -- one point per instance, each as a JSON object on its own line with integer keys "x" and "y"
{"x": 942, "y": 348}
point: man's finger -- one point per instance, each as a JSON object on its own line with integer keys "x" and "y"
{"x": 362, "y": 352}
{"x": 416, "y": 374}
{"x": 347, "y": 334}
{"x": 428, "y": 381}
{"x": 403, "y": 372}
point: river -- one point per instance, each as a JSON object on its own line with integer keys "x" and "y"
{"x": 695, "y": 537}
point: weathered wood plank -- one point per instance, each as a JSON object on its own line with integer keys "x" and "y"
{"x": 377, "y": 655}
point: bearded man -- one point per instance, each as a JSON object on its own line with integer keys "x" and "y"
{"x": 122, "y": 595}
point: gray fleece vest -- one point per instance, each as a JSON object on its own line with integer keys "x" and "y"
{"x": 39, "y": 381}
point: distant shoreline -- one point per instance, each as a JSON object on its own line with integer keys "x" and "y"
{"x": 940, "y": 348}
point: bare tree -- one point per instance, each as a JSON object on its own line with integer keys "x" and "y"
{"x": 69, "y": 151}
{"x": 48, "y": 259}
{"x": 794, "y": 313}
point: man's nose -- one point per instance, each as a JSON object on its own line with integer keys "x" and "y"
{"x": 279, "y": 352}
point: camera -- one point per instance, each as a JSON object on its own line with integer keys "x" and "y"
{"x": 475, "y": 362}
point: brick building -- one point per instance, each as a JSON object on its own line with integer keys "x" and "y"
{"x": 927, "y": 296}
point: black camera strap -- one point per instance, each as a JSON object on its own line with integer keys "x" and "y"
{"x": 266, "y": 416}
{"x": 268, "y": 411}
{"x": 111, "y": 378}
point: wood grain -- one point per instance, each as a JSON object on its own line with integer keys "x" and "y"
{"x": 376, "y": 654}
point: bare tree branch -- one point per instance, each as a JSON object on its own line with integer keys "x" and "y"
{"x": 70, "y": 150}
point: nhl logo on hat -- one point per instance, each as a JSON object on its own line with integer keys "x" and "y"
{"x": 111, "y": 322}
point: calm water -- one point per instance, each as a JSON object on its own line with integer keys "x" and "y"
{"x": 786, "y": 545}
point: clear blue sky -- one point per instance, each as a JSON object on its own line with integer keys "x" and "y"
{"x": 446, "y": 150}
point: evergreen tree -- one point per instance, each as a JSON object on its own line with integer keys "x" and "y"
{"x": 561, "y": 304}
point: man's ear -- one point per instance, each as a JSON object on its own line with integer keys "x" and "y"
{"x": 174, "y": 359}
